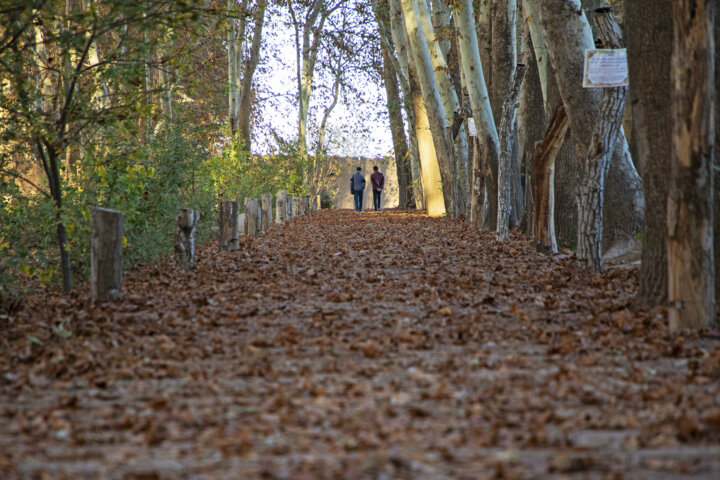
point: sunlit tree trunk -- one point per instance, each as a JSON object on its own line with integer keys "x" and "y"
{"x": 441, "y": 21}
{"x": 399, "y": 37}
{"x": 482, "y": 113}
{"x": 691, "y": 289}
{"x": 433, "y": 105}
{"x": 397, "y": 129}
{"x": 448, "y": 97}
{"x": 235, "y": 39}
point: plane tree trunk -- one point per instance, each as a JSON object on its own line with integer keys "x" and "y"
{"x": 244, "y": 94}
{"x": 567, "y": 35}
{"x": 433, "y": 104}
{"x": 489, "y": 144}
{"x": 691, "y": 289}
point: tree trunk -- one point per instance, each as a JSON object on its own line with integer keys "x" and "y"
{"x": 187, "y": 221}
{"x": 503, "y": 54}
{"x": 397, "y": 129}
{"x": 306, "y": 52}
{"x": 399, "y": 37}
{"x": 488, "y": 149}
{"x": 106, "y": 255}
{"x": 281, "y": 207}
{"x": 483, "y": 29}
{"x": 232, "y": 67}
{"x": 448, "y": 96}
{"x": 691, "y": 289}
{"x": 649, "y": 27}
{"x": 228, "y": 225}
{"x": 716, "y": 159}
{"x": 531, "y": 126}
{"x": 544, "y": 181}
{"x": 599, "y": 113}
{"x": 267, "y": 222}
{"x": 253, "y": 217}
{"x": 244, "y": 97}
{"x": 624, "y": 204}
{"x": 437, "y": 180}
{"x": 508, "y": 134}
{"x": 433, "y": 103}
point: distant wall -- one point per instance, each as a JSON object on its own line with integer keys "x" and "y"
{"x": 339, "y": 185}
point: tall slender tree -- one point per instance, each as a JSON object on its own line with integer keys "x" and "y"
{"x": 691, "y": 289}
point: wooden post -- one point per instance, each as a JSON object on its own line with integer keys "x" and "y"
{"x": 296, "y": 207}
{"x": 252, "y": 216}
{"x": 106, "y": 256}
{"x": 290, "y": 208}
{"x": 318, "y": 202}
{"x": 228, "y": 223}
{"x": 281, "y": 207}
{"x": 266, "y": 212}
{"x": 187, "y": 221}
{"x": 306, "y": 204}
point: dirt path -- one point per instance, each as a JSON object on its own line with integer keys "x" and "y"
{"x": 359, "y": 346}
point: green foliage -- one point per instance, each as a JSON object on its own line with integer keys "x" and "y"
{"x": 234, "y": 174}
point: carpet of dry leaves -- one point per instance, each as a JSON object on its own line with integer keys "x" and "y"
{"x": 361, "y": 346}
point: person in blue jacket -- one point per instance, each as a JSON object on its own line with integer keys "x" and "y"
{"x": 357, "y": 185}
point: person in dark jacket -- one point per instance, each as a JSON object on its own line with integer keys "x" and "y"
{"x": 377, "y": 180}
{"x": 357, "y": 185}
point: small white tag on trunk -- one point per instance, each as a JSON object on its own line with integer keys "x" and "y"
{"x": 471, "y": 127}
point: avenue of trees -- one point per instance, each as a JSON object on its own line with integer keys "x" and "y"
{"x": 146, "y": 105}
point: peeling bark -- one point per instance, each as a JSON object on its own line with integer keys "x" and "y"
{"x": 691, "y": 289}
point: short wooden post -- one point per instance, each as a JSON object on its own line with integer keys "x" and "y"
{"x": 252, "y": 216}
{"x": 315, "y": 203}
{"x": 281, "y": 207}
{"x": 266, "y": 212}
{"x": 306, "y": 204}
{"x": 106, "y": 255}
{"x": 289, "y": 214}
{"x": 297, "y": 209}
{"x": 187, "y": 221}
{"x": 228, "y": 223}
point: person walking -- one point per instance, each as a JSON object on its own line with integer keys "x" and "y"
{"x": 377, "y": 180}
{"x": 357, "y": 185}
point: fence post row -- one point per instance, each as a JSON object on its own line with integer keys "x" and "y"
{"x": 258, "y": 217}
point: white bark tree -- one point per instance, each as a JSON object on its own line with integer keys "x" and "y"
{"x": 472, "y": 68}
{"x": 567, "y": 34}
{"x": 433, "y": 103}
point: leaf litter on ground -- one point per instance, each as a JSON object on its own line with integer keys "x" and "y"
{"x": 345, "y": 345}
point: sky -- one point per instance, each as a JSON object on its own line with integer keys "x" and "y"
{"x": 355, "y": 127}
